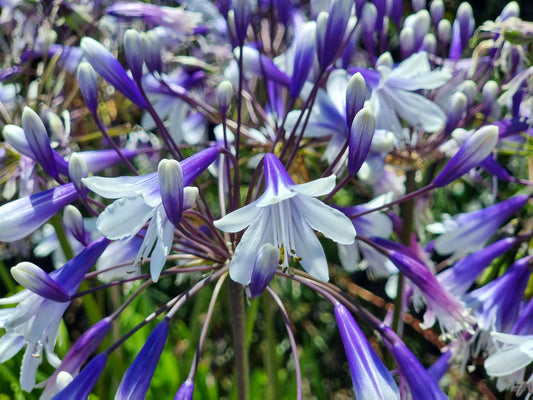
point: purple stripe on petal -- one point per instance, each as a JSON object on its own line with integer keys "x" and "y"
{"x": 24, "y": 216}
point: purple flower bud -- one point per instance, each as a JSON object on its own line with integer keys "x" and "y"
{"x": 38, "y": 141}
{"x": 474, "y": 150}
{"x": 356, "y": 95}
{"x": 88, "y": 86}
{"x": 14, "y": 136}
{"x": 371, "y": 379}
{"x": 152, "y": 51}
{"x": 304, "y": 57}
{"x": 97, "y": 160}
{"x": 185, "y": 391}
{"x": 73, "y": 221}
{"x": 23, "y": 216}
{"x": 329, "y": 40}
{"x": 194, "y": 165}
{"x": 170, "y": 177}
{"x": 407, "y": 42}
{"x": 444, "y": 31}
{"x": 420, "y": 25}
{"x": 458, "y": 279}
{"x": 429, "y": 44}
{"x": 418, "y": 5}
{"x": 136, "y": 379}
{"x": 110, "y": 69}
{"x": 456, "y": 111}
{"x": 361, "y": 134}
{"x": 369, "y": 16}
{"x": 436, "y": 9}
{"x": 39, "y": 282}
{"x": 510, "y": 127}
{"x": 82, "y": 385}
{"x": 134, "y": 50}
{"x": 77, "y": 170}
{"x": 224, "y": 96}
{"x": 512, "y": 9}
{"x": 264, "y": 268}
{"x": 78, "y": 354}
{"x": 488, "y": 96}
{"x": 463, "y": 27}
{"x": 242, "y": 12}
{"x": 490, "y": 165}
{"x": 469, "y": 89}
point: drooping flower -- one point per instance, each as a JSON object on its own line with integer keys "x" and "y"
{"x": 141, "y": 198}
{"x": 285, "y": 216}
{"x": 371, "y": 379}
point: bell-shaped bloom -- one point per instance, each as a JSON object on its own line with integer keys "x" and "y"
{"x": 185, "y": 391}
{"x": 140, "y": 199}
{"x": 285, "y": 216}
{"x": 474, "y": 150}
{"x": 136, "y": 380}
{"x": 393, "y": 95}
{"x": 77, "y": 355}
{"x": 24, "y": 216}
{"x": 38, "y": 141}
{"x": 458, "y": 279}
{"x": 468, "y": 232}
{"x": 440, "y": 304}
{"x": 110, "y": 69}
{"x": 82, "y": 385}
{"x": 36, "y": 319}
{"x": 371, "y": 379}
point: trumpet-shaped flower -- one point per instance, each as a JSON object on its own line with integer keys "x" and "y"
{"x": 285, "y": 216}
{"x": 150, "y": 197}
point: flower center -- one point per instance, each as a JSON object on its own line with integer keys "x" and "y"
{"x": 282, "y": 231}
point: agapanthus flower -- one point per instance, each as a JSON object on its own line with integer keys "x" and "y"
{"x": 142, "y": 198}
{"x": 393, "y": 95}
{"x": 285, "y": 216}
{"x": 34, "y": 322}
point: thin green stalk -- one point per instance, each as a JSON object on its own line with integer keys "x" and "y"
{"x": 238, "y": 317}
{"x": 270, "y": 359}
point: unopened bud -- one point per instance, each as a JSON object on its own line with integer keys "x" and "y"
{"x": 170, "y": 177}
{"x": 361, "y": 134}
{"x": 77, "y": 170}
{"x": 134, "y": 50}
{"x": 264, "y": 268}
{"x": 356, "y": 95}
{"x": 88, "y": 86}
{"x": 39, "y": 282}
{"x": 456, "y": 111}
{"x": 224, "y": 95}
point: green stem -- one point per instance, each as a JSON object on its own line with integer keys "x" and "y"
{"x": 270, "y": 350}
{"x": 239, "y": 340}
{"x": 6, "y": 278}
{"x": 407, "y": 211}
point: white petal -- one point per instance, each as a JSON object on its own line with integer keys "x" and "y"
{"x": 336, "y": 88}
{"x": 318, "y": 187}
{"x": 418, "y": 111}
{"x": 427, "y": 80}
{"x": 509, "y": 338}
{"x": 413, "y": 65}
{"x": 10, "y": 344}
{"x": 349, "y": 256}
{"x": 506, "y": 361}
{"x": 165, "y": 235}
{"x": 330, "y": 222}
{"x": 30, "y": 362}
{"x": 114, "y": 188}
{"x": 240, "y": 267}
{"x": 308, "y": 247}
{"x": 124, "y": 218}
{"x": 239, "y": 219}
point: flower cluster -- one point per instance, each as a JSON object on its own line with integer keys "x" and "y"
{"x": 224, "y": 146}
